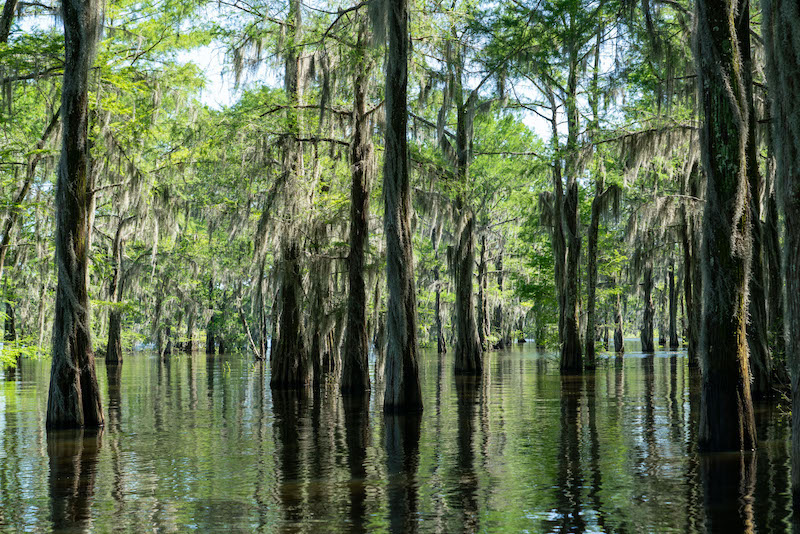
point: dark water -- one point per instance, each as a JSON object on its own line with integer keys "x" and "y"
{"x": 202, "y": 444}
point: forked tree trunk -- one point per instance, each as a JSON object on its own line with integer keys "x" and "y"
{"x": 781, "y": 26}
{"x": 646, "y": 335}
{"x": 726, "y": 410}
{"x": 403, "y": 393}
{"x": 74, "y": 397}
{"x": 355, "y": 364}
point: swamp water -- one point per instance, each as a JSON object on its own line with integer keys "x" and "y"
{"x": 201, "y": 443}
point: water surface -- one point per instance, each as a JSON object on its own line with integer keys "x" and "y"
{"x": 202, "y": 443}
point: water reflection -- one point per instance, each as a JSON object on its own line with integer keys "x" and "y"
{"x": 522, "y": 449}
{"x": 467, "y": 391}
{"x": 73, "y": 468}
{"x": 568, "y": 514}
{"x": 402, "y": 460}
{"x": 291, "y": 409}
{"x": 728, "y": 484}
{"x": 356, "y": 426}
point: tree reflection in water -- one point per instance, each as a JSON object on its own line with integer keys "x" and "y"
{"x": 356, "y": 426}
{"x": 73, "y": 469}
{"x": 402, "y": 459}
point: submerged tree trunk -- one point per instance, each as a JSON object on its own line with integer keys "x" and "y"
{"x": 673, "y": 309}
{"x": 441, "y": 346}
{"x": 74, "y": 397}
{"x": 726, "y": 410}
{"x": 781, "y": 25}
{"x": 501, "y": 324}
{"x": 291, "y": 363}
{"x": 648, "y": 312}
{"x": 468, "y": 347}
{"x": 690, "y": 258}
{"x": 355, "y": 365}
{"x": 483, "y": 305}
{"x": 188, "y": 347}
{"x": 591, "y": 259}
{"x": 403, "y": 393}
{"x": 114, "y": 345}
{"x": 619, "y": 345}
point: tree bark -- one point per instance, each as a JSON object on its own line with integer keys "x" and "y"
{"x": 403, "y": 393}
{"x": 291, "y": 362}
{"x": 690, "y": 258}
{"x": 484, "y": 330}
{"x": 7, "y": 18}
{"x": 591, "y": 259}
{"x": 355, "y": 365}
{"x": 781, "y": 26}
{"x": 646, "y": 335}
{"x": 571, "y": 357}
{"x": 114, "y": 345}
{"x": 619, "y": 345}
{"x": 757, "y": 336}
{"x": 726, "y": 410}
{"x": 673, "y": 309}
{"x": 74, "y": 397}
{"x": 10, "y": 324}
{"x": 468, "y": 348}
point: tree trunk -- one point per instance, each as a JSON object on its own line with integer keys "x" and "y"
{"x": 781, "y": 27}
{"x": 210, "y": 341}
{"x": 355, "y": 365}
{"x": 403, "y": 392}
{"x": 775, "y": 278}
{"x": 74, "y": 397}
{"x": 726, "y": 410}
{"x": 114, "y": 345}
{"x": 646, "y": 335}
{"x": 468, "y": 349}
{"x": 619, "y": 345}
{"x": 483, "y": 305}
{"x": 291, "y": 362}
{"x": 10, "y": 324}
{"x": 690, "y": 258}
{"x": 188, "y": 347}
{"x": 9, "y": 10}
{"x": 591, "y": 259}
{"x": 673, "y": 309}
{"x": 500, "y": 322}
{"x": 757, "y": 335}
{"x": 571, "y": 357}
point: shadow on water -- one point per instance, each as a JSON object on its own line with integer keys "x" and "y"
{"x": 402, "y": 433}
{"x": 73, "y": 469}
